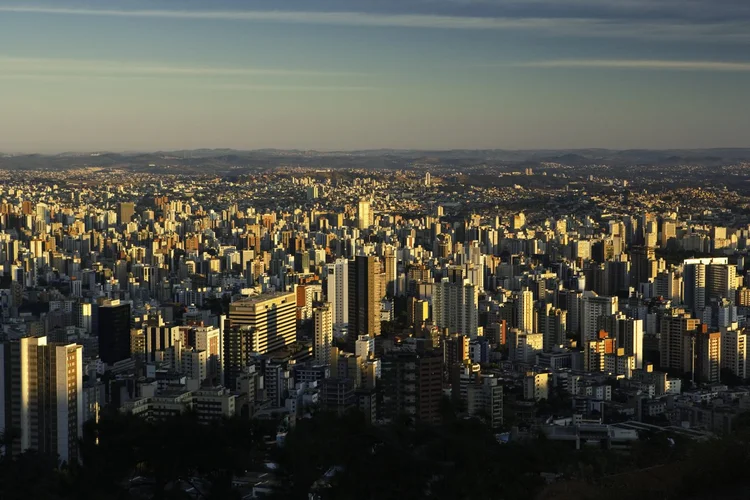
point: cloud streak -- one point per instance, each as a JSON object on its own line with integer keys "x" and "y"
{"x": 49, "y": 65}
{"x": 649, "y": 64}
{"x": 737, "y": 30}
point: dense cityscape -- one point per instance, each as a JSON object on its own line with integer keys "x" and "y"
{"x": 549, "y": 328}
{"x": 374, "y": 250}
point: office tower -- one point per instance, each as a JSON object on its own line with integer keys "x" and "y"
{"x": 592, "y": 307}
{"x": 42, "y": 396}
{"x": 239, "y": 342}
{"x": 455, "y": 307}
{"x": 707, "y": 357}
{"x": 364, "y": 297}
{"x": 364, "y": 214}
{"x": 525, "y": 311}
{"x": 427, "y": 179}
{"x": 271, "y": 316}
{"x": 159, "y": 337}
{"x": 125, "y": 211}
{"x": 412, "y": 385}
{"x": 114, "y": 331}
{"x": 675, "y": 342}
{"x": 552, "y": 325}
{"x": 323, "y": 332}
{"x": 628, "y": 332}
{"x": 734, "y": 350}
{"x": 337, "y": 294}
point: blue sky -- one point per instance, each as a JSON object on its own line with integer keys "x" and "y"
{"x": 347, "y": 74}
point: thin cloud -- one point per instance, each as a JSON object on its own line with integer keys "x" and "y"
{"x": 289, "y": 88}
{"x": 47, "y": 65}
{"x": 651, "y": 64}
{"x": 569, "y": 26}
{"x": 230, "y": 87}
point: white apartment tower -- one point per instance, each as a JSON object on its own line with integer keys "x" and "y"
{"x": 41, "y": 395}
{"x": 323, "y": 329}
{"x": 337, "y": 294}
{"x": 734, "y": 350}
{"x": 594, "y": 306}
{"x": 455, "y": 306}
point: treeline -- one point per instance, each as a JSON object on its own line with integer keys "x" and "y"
{"x": 341, "y": 457}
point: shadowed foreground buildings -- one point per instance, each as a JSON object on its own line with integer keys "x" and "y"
{"x": 41, "y": 396}
{"x": 412, "y": 386}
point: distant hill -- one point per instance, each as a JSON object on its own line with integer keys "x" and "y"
{"x": 221, "y": 160}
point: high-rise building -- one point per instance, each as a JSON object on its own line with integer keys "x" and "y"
{"x": 694, "y": 282}
{"x": 734, "y": 350}
{"x": 486, "y": 398}
{"x": 209, "y": 339}
{"x": 271, "y": 316}
{"x": 523, "y": 347}
{"x": 364, "y": 297}
{"x": 536, "y": 386}
{"x": 323, "y": 332}
{"x": 707, "y": 352}
{"x": 675, "y": 342}
{"x": 125, "y": 211}
{"x": 390, "y": 267}
{"x": 159, "y": 337}
{"x": 552, "y": 324}
{"x": 721, "y": 282}
{"x": 525, "y": 311}
{"x": 84, "y": 316}
{"x": 455, "y": 350}
{"x": 114, "y": 331}
{"x": 364, "y": 214}
{"x": 628, "y": 332}
{"x": 412, "y": 385}
{"x": 42, "y": 396}
{"x": 337, "y": 294}
{"x": 455, "y": 307}
{"x": 595, "y": 352}
{"x": 708, "y": 278}
{"x": 592, "y": 307}
{"x": 239, "y": 342}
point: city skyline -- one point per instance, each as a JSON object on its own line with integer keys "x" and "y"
{"x": 334, "y": 75}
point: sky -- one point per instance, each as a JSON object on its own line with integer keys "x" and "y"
{"x": 357, "y": 74}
